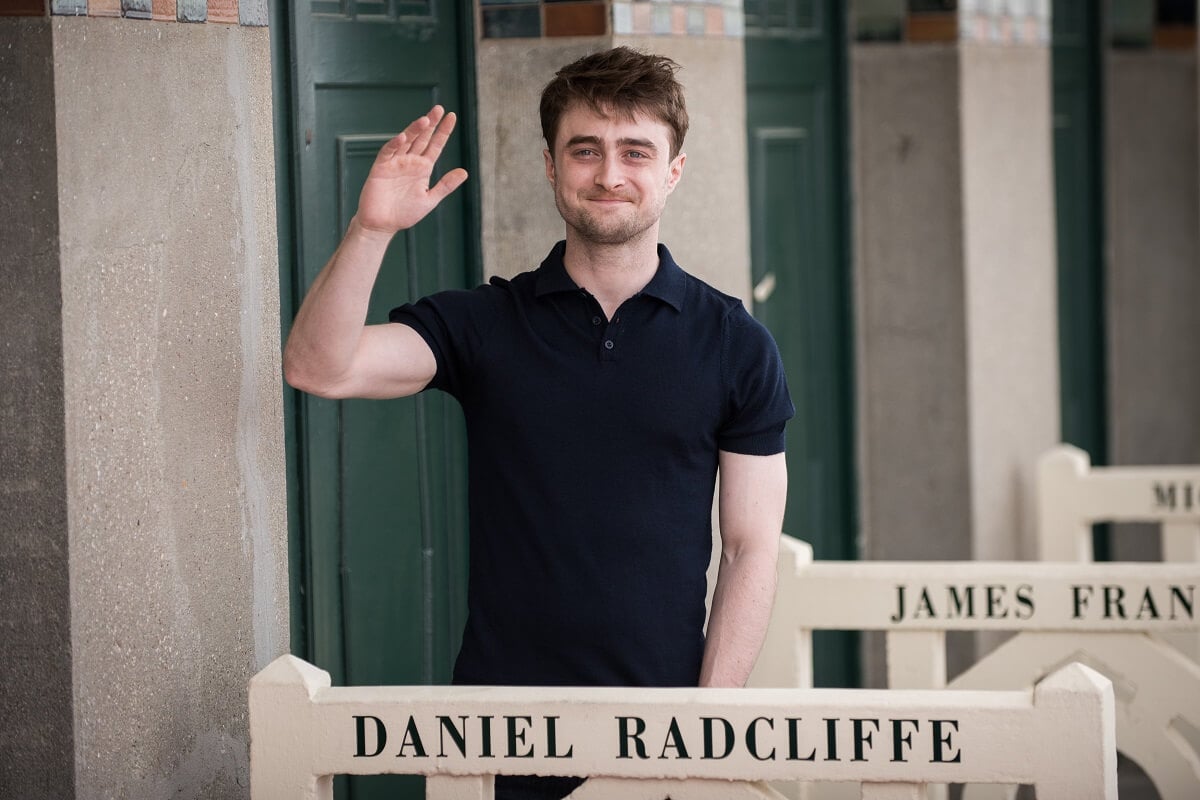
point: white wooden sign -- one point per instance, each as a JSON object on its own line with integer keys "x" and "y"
{"x": 652, "y": 742}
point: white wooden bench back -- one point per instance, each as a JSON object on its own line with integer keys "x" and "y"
{"x": 685, "y": 744}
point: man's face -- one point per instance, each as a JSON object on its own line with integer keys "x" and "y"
{"x": 611, "y": 175}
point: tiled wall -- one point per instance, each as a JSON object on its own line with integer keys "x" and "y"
{"x": 230, "y": 12}
{"x": 538, "y": 18}
{"x": 992, "y": 21}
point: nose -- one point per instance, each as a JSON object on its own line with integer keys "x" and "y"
{"x": 609, "y": 174}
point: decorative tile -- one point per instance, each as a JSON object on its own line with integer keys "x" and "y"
{"x": 223, "y": 11}
{"x": 68, "y": 7}
{"x": 191, "y": 10}
{"x": 253, "y": 13}
{"x": 576, "y": 19}
{"x": 163, "y": 10}
{"x": 641, "y": 18}
{"x": 622, "y": 18}
{"x": 735, "y": 22}
{"x": 679, "y": 20}
{"x": 660, "y": 19}
{"x": 714, "y": 21}
{"x": 104, "y": 8}
{"x": 23, "y": 8}
{"x": 695, "y": 21}
{"x": 136, "y": 9}
{"x": 508, "y": 22}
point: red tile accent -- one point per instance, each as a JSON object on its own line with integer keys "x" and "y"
{"x": 576, "y": 19}
{"x": 714, "y": 21}
{"x": 679, "y": 20}
{"x": 104, "y": 8}
{"x": 163, "y": 10}
{"x": 932, "y": 27}
{"x": 24, "y": 8}
{"x": 641, "y": 17}
{"x": 223, "y": 11}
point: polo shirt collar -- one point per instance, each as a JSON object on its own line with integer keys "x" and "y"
{"x": 668, "y": 284}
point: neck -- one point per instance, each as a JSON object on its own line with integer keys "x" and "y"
{"x": 612, "y": 273}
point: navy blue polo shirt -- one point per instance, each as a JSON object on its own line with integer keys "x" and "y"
{"x": 592, "y": 460}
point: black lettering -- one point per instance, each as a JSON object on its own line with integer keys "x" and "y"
{"x": 674, "y": 740}
{"x": 726, "y": 728}
{"x": 1147, "y": 605}
{"x": 902, "y": 740}
{"x": 794, "y": 741}
{"x": 1025, "y": 601}
{"x": 1080, "y": 600}
{"x": 752, "y": 738}
{"x": 636, "y": 737}
{"x": 1186, "y": 602}
{"x": 552, "y": 741}
{"x": 862, "y": 738}
{"x": 899, "y": 615}
{"x": 1164, "y": 496}
{"x": 412, "y": 738}
{"x": 485, "y": 731}
{"x": 925, "y": 604}
{"x": 360, "y": 736}
{"x": 459, "y": 737}
{"x": 831, "y": 739}
{"x": 1114, "y": 598}
{"x": 941, "y": 742}
{"x": 516, "y": 737}
{"x": 995, "y": 600}
{"x": 962, "y": 605}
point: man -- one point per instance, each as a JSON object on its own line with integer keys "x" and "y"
{"x": 601, "y": 392}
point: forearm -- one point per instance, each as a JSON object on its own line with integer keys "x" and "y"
{"x": 741, "y": 609}
{"x": 327, "y": 330}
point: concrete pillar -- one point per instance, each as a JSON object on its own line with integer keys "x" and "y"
{"x": 145, "y": 567}
{"x": 956, "y": 286}
{"x": 36, "y": 737}
{"x": 1153, "y": 271}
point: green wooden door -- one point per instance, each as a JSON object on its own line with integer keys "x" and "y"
{"x": 1079, "y": 208}
{"x": 795, "y": 56}
{"x": 380, "y": 486}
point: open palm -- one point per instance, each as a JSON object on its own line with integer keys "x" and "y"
{"x": 397, "y": 194}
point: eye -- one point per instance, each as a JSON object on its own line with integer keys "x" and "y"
{"x": 585, "y": 152}
{"x": 637, "y": 154}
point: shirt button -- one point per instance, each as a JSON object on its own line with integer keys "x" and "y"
{"x": 595, "y": 320}
{"x": 608, "y": 344}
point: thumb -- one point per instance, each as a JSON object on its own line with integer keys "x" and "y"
{"x": 449, "y": 182}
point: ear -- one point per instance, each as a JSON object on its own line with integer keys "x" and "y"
{"x": 675, "y": 171}
{"x": 549, "y": 166}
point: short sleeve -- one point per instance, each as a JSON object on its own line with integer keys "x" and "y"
{"x": 455, "y": 324}
{"x": 758, "y": 404}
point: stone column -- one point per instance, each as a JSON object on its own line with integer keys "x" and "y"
{"x": 956, "y": 286}
{"x": 1153, "y": 270}
{"x": 144, "y": 549}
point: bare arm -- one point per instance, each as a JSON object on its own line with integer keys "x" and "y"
{"x": 330, "y": 351}
{"x": 752, "y": 496}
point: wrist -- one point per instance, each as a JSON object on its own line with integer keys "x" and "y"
{"x": 367, "y": 233}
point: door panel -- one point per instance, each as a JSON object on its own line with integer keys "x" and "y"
{"x": 382, "y": 484}
{"x": 800, "y": 269}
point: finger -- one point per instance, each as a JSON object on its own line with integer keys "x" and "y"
{"x": 449, "y": 182}
{"x": 392, "y": 146}
{"x": 421, "y": 140}
{"x": 437, "y": 141}
{"x": 413, "y": 132}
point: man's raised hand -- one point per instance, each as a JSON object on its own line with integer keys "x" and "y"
{"x": 397, "y": 194}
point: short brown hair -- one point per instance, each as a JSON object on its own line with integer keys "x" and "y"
{"x": 622, "y": 81}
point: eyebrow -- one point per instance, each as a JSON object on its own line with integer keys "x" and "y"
{"x": 645, "y": 144}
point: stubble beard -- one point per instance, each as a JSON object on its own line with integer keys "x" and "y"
{"x": 590, "y": 228}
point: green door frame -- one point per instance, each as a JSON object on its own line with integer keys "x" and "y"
{"x": 291, "y": 295}
{"x": 1077, "y": 53}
